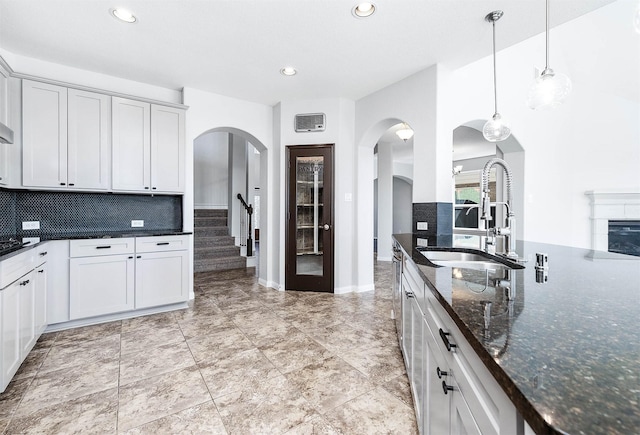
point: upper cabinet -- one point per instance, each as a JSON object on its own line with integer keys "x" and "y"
{"x": 148, "y": 147}
{"x": 81, "y": 140}
{"x": 65, "y": 137}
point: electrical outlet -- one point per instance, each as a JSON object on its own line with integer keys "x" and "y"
{"x": 31, "y": 225}
{"x": 423, "y": 225}
{"x": 137, "y": 223}
{"x": 422, "y": 242}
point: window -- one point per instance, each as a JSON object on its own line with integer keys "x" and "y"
{"x": 468, "y": 197}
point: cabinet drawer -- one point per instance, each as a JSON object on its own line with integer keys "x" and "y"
{"x": 161, "y": 243}
{"x": 16, "y": 266}
{"x": 97, "y": 247}
{"x": 416, "y": 283}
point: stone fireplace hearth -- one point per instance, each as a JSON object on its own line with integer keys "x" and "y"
{"x": 611, "y": 205}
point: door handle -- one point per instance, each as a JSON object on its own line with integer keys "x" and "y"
{"x": 326, "y": 227}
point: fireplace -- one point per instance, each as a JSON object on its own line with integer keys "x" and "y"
{"x": 615, "y": 221}
{"x": 624, "y": 237}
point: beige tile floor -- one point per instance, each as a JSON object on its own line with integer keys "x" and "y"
{"x": 242, "y": 359}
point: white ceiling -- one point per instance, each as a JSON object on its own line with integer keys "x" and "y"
{"x": 237, "y": 47}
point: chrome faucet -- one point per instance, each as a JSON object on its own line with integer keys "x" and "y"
{"x": 509, "y": 231}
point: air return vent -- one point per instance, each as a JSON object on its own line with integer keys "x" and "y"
{"x": 310, "y": 122}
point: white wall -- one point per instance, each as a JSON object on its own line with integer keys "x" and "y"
{"x": 590, "y": 142}
{"x": 339, "y": 131}
{"x": 211, "y": 171}
{"x": 208, "y": 111}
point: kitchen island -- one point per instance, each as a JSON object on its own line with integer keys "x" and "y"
{"x": 562, "y": 344}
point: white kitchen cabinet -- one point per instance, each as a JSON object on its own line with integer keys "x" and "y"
{"x": 88, "y": 145}
{"x": 102, "y": 284}
{"x": 109, "y": 276}
{"x": 44, "y": 137}
{"x": 20, "y": 325}
{"x": 131, "y": 144}
{"x": 27, "y": 314}
{"x": 10, "y": 333}
{"x": 40, "y": 302}
{"x": 167, "y": 149}
{"x": 161, "y": 278}
{"x": 148, "y": 147}
{"x": 4, "y": 96}
{"x": 65, "y": 137}
{"x": 57, "y": 281}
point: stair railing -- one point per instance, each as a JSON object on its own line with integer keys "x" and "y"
{"x": 249, "y": 213}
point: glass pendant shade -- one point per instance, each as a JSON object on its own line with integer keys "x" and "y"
{"x": 405, "y": 133}
{"x": 549, "y": 90}
{"x": 496, "y": 129}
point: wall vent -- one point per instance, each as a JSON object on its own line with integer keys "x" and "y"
{"x": 310, "y": 122}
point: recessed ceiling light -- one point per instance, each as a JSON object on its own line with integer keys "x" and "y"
{"x": 363, "y": 10}
{"x": 123, "y": 15}
{"x": 288, "y": 71}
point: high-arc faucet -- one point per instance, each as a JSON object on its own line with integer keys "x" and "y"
{"x": 509, "y": 231}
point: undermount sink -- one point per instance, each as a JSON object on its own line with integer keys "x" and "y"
{"x": 468, "y": 260}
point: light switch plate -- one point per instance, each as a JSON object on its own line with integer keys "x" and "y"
{"x": 423, "y": 225}
{"x": 31, "y": 225}
{"x": 137, "y": 223}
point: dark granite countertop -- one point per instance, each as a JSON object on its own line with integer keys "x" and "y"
{"x": 43, "y": 237}
{"x": 565, "y": 350}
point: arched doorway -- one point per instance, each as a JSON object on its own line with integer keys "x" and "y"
{"x": 227, "y": 162}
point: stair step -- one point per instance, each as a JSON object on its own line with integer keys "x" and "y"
{"x": 222, "y": 263}
{"x": 210, "y": 231}
{"x": 204, "y": 242}
{"x": 216, "y": 252}
{"x": 207, "y": 221}
{"x": 205, "y": 212}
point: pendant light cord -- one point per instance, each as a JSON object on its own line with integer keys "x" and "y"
{"x": 546, "y": 66}
{"x": 495, "y": 86}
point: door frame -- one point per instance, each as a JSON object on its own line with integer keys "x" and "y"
{"x": 293, "y": 281}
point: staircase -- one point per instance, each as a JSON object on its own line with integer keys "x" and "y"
{"x": 214, "y": 248}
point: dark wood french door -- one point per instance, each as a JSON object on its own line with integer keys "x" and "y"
{"x": 309, "y": 240}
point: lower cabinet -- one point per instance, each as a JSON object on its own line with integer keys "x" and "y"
{"x": 110, "y": 276}
{"x": 453, "y": 391}
{"x": 23, "y": 312}
{"x": 101, "y": 285}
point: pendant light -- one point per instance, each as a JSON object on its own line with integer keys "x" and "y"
{"x": 496, "y": 129}
{"x": 550, "y": 88}
{"x": 405, "y": 132}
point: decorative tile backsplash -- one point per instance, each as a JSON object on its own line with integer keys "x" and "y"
{"x": 66, "y": 213}
{"x": 439, "y": 216}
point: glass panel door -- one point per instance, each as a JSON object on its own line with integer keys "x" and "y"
{"x": 309, "y": 216}
{"x": 309, "y": 256}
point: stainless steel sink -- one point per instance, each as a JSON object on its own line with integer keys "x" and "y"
{"x": 469, "y": 260}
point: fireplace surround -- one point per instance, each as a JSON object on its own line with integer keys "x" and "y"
{"x": 615, "y": 206}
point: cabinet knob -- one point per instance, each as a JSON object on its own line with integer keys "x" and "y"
{"x": 445, "y": 338}
{"x": 409, "y": 294}
{"x": 446, "y": 388}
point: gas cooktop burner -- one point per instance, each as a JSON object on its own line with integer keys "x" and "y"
{"x": 9, "y": 245}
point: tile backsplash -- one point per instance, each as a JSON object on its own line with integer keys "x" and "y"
{"x": 69, "y": 213}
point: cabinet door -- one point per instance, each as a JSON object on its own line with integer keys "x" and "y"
{"x": 101, "y": 285}
{"x": 4, "y": 163}
{"x": 27, "y": 314}
{"x": 436, "y": 403}
{"x": 44, "y": 138}
{"x": 88, "y": 140}
{"x": 161, "y": 278}
{"x": 131, "y": 146}
{"x": 10, "y": 328}
{"x": 462, "y": 421}
{"x": 40, "y": 306}
{"x": 4, "y": 96}
{"x": 167, "y": 149}
{"x": 417, "y": 360}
